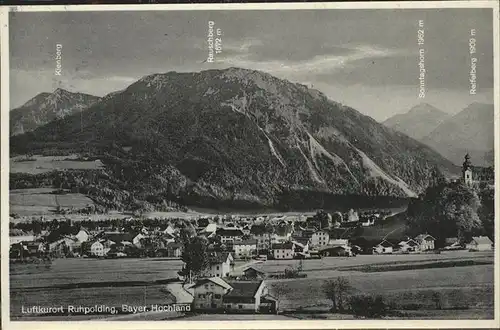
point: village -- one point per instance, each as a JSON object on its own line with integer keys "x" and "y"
{"x": 250, "y": 241}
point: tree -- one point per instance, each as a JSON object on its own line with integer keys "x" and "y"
{"x": 487, "y": 211}
{"x": 323, "y": 218}
{"x": 368, "y": 306}
{"x": 437, "y": 299}
{"x": 195, "y": 257}
{"x": 187, "y": 232}
{"x": 336, "y": 290}
{"x": 445, "y": 210}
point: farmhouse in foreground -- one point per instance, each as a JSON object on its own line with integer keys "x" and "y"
{"x": 216, "y": 295}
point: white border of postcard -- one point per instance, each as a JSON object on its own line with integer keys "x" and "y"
{"x": 25, "y": 325}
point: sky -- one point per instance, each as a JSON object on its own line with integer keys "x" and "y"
{"x": 364, "y": 58}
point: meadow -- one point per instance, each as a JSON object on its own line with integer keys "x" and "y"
{"x": 466, "y": 290}
{"x": 41, "y": 164}
{"x": 135, "y": 281}
{"x": 86, "y": 282}
{"x": 320, "y": 268}
{"x": 40, "y": 201}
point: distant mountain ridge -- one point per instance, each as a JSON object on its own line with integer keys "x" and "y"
{"x": 46, "y": 107}
{"x": 419, "y": 122}
{"x": 239, "y": 135}
{"x": 469, "y": 131}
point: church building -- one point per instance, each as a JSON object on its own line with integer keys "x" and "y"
{"x": 474, "y": 175}
{"x": 467, "y": 171}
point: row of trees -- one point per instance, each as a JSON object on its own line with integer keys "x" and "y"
{"x": 344, "y": 299}
{"x": 452, "y": 209}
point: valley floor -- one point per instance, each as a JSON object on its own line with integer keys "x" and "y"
{"x": 465, "y": 291}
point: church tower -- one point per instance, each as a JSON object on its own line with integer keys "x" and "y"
{"x": 467, "y": 171}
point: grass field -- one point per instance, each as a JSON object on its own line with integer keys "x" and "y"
{"x": 40, "y": 201}
{"x": 81, "y": 282}
{"x": 43, "y": 287}
{"x": 320, "y": 268}
{"x": 473, "y": 284}
{"x": 413, "y": 290}
{"x": 40, "y": 164}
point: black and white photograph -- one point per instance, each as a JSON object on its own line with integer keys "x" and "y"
{"x": 227, "y": 164}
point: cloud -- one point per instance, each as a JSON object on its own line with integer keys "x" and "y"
{"x": 239, "y": 55}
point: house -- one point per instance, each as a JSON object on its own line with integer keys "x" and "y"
{"x": 18, "y": 236}
{"x": 263, "y": 241}
{"x": 82, "y": 235}
{"x": 320, "y": 238}
{"x": 169, "y": 230}
{"x": 229, "y": 235}
{"x": 64, "y": 245}
{"x": 248, "y": 297}
{"x": 452, "y": 243}
{"x": 252, "y": 273}
{"x": 383, "y": 247}
{"x": 300, "y": 246}
{"x": 368, "y": 221}
{"x": 246, "y": 229}
{"x": 214, "y": 294}
{"x": 137, "y": 239}
{"x": 118, "y": 237}
{"x": 97, "y": 249}
{"x": 26, "y": 249}
{"x": 425, "y": 242}
{"x": 208, "y": 231}
{"x": 245, "y": 249}
{"x": 259, "y": 232}
{"x": 338, "y": 242}
{"x": 352, "y": 216}
{"x": 34, "y": 247}
{"x": 220, "y": 264}
{"x": 335, "y": 251}
{"x": 408, "y": 245}
{"x": 208, "y": 293}
{"x": 283, "y": 250}
{"x": 481, "y": 243}
{"x": 174, "y": 250}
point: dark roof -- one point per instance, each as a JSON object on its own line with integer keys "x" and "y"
{"x": 253, "y": 268}
{"x": 217, "y": 280}
{"x": 268, "y": 299}
{"x": 218, "y": 257}
{"x": 120, "y": 237}
{"x": 283, "y": 246}
{"x": 385, "y": 243}
{"x": 301, "y": 240}
{"x": 246, "y": 242}
{"x": 332, "y": 248}
{"x": 229, "y": 232}
{"x": 410, "y": 242}
{"x": 258, "y": 229}
{"x": 244, "y": 289}
{"x": 422, "y": 237}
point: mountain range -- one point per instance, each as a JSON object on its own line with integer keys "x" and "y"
{"x": 419, "y": 122}
{"x": 471, "y": 131}
{"x": 239, "y": 136}
{"x": 46, "y": 107}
